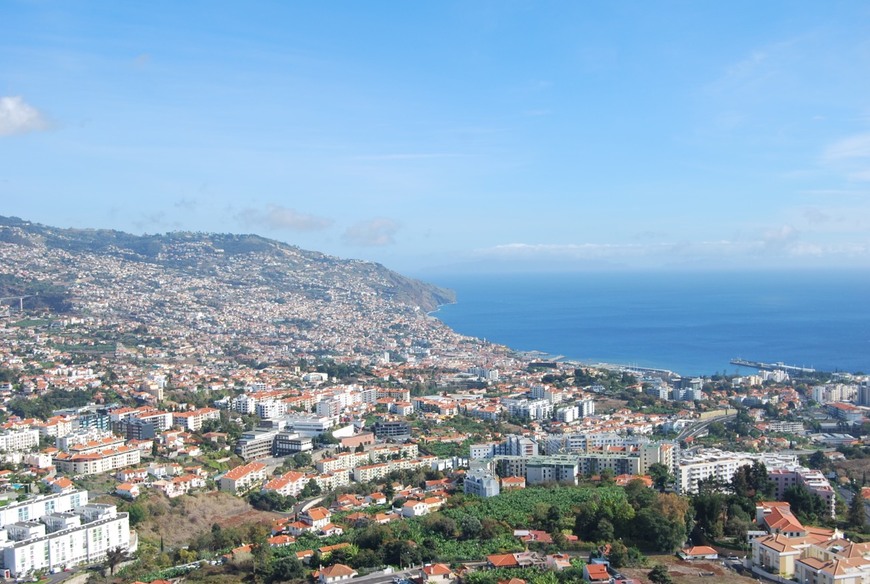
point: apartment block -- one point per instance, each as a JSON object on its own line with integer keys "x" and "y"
{"x": 19, "y": 440}
{"x": 62, "y": 539}
{"x": 289, "y": 484}
{"x": 193, "y": 420}
{"x": 242, "y": 478}
{"x": 96, "y": 462}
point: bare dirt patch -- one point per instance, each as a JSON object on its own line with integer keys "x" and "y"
{"x": 178, "y": 521}
{"x": 683, "y": 572}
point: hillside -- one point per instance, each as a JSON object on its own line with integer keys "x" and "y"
{"x": 220, "y": 285}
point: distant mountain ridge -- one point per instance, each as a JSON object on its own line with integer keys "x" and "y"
{"x": 226, "y": 259}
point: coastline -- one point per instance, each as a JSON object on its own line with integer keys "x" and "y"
{"x": 654, "y": 324}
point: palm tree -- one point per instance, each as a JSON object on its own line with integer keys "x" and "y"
{"x": 115, "y": 556}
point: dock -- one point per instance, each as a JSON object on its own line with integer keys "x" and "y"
{"x": 771, "y": 366}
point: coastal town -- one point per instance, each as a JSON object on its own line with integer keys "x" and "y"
{"x": 216, "y": 408}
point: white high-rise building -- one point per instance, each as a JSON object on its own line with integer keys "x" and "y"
{"x": 60, "y": 531}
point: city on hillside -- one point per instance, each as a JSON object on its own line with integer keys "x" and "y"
{"x": 202, "y": 422}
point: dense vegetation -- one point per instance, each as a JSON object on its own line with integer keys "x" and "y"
{"x": 43, "y": 295}
{"x": 43, "y": 406}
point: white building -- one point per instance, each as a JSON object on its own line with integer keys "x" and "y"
{"x": 539, "y": 409}
{"x": 242, "y": 478}
{"x": 61, "y": 539}
{"x": 193, "y": 420}
{"x": 19, "y": 440}
{"x": 290, "y": 484}
{"x": 512, "y": 446}
{"x": 309, "y": 425}
{"x": 270, "y": 409}
{"x": 481, "y": 483}
{"x": 567, "y": 414}
{"x": 587, "y": 408}
{"x": 36, "y": 508}
{"x": 83, "y": 436}
{"x": 782, "y": 469}
{"x": 98, "y": 461}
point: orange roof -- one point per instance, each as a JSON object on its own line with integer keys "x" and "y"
{"x": 700, "y": 550}
{"x": 317, "y": 513}
{"x": 281, "y": 540}
{"x": 597, "y": 572}
{"x": 337, "y": 570}
{"x": 502, "y": 560}
{"x": 513, "y": 480}
{"x": 437, "y": 570}
{"x": 243, "y": 470}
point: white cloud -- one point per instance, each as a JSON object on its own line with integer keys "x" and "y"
{"x": 849, "y": 148}
{"x": 780, "y": 234}
{"x": 850, "y": 156}
{"x": 773, "y": 245}
{"x": 19, "y": 117}
{"x": 406, "y": 156}
{"x": 372, "y": 233}
{"x": 279, "y": 218}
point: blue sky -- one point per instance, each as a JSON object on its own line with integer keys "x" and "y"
{"x": 451, "y": 135}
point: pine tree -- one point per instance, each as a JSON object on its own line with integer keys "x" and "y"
{"x": 856, "y": 515}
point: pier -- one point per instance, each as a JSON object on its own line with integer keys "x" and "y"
{"x": 771, "y": 366}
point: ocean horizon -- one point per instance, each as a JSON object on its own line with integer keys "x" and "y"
{"x": 692, "y": 323}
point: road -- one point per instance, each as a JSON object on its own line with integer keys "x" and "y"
{"x": 693, "y": 430}
{"x": 381, "y": 578}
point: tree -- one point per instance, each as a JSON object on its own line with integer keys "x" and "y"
{"x": 547, "y": 577}
{"x": 260, "y": 550}
{"x": 136, "y": 512}
{"x": 618, "y": 556}
{"x": 389, "y": 491}
{"x": 270, "y": 501}
{"x": 857, "y": 516}
{"x": 444, "y": 526}
{"x": 115, "y": 556}
{"x": 659, "y": 575}
{"x": 818, "y": 460}
{"x": 284, "y": 569}
{"x": 219, "y": 540}
{"x": 470, "y": 527}
{"x": 709, "y": 511}
{"x": 808, "y": 507}
{"x": 311, "y": 489}
{"x": 302, "y": 459}
{"x": 604, "y": 531}
{"x": 753, "y": 482}
{"x": 401, "y": 553}
{"x": 661, "y": 475}
{"x": 638, "y": 494}
{"x": 663, "y": 526}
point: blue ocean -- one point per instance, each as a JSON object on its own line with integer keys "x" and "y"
{"x": 690, "y": 323}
